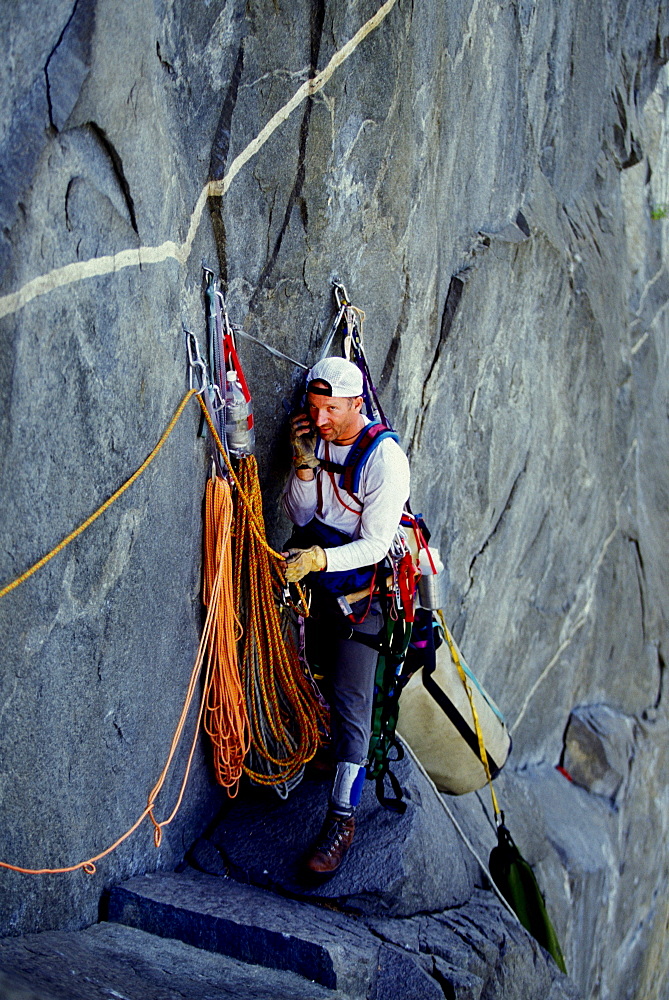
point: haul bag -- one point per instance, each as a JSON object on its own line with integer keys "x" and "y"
{"x": 435, "y": 718}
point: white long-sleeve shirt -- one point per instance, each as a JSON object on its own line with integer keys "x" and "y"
{"x": 384, "y": 489}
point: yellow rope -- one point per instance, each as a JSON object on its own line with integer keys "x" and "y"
{"x": 277, "y": 656}
{"x": 257, "y": 529}
{"x": 89, "y": 865}
{"x": 119, "y": 492}
{"x": 285, "y": 717}
{"x": 256, "y": 525}
{"x": 477, "y": 725}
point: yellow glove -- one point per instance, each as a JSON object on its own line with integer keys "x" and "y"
{"x": 303, "y": 436}
{"x": 299, "y": 562}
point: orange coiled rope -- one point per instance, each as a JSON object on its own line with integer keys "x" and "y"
{"x": 225, "y": 717}
{"x": 285, "y": 715}
{"x": 299, "y": 732}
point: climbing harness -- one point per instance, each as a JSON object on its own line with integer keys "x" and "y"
{"x": 393, "y": 580}
{"x": 414, "y": 703}
{"x": 337, "y": 584}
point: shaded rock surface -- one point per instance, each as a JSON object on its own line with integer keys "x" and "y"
{"x": 398, "y": 864}
{"x": 112, "y": 960}
{"x": 249, "y": 924}
{"x": 489, "y": 181}
{"x": 472, "y": 950}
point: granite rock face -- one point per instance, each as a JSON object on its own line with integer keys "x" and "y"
{"x": 398, "y": 865}
{"x": 115, "y": 960}
{"x": 489, "y": 181}
{"x": 598, "y": 749}
{"x": 474, "y": 950}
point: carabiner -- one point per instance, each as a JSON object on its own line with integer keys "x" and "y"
{"x": 341, "y": 295}
{"x": 216, "y": 395}
{"x": 195, "y": 363}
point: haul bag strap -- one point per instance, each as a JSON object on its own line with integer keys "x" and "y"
{"x": 451, "y": 712}
{"x": 396, "y": 800}
{"x": 378, "y": 642}
{"x": 350, "y": 471}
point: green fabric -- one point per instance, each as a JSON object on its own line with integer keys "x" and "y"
{"x": 387, "y": 686}
{"x": 515, "y": 879}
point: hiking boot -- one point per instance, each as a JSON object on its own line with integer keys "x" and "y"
{"x": 332, "y": 844}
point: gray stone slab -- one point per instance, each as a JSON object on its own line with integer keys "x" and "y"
{"x": 398, "y": 864}
{"x": 399, "y": 977}
{"x": 533, "y": 402}
{"x": 476, "y": 951}
{"x": 250, "y": 924}
{"x": 403, "y": 932}
{"x": 501, "y": 953}
{"x": 12, "y": 989}
{"x": 439, "y": 938}
{"x": 115, "y": 962}
{"x": 461, "y": 985}
{"x": 599, "y": 748}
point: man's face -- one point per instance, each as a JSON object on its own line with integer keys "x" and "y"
{"x": 336, "y": 417}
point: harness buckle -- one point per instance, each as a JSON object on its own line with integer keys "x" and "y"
{"x": 345, "y": 607}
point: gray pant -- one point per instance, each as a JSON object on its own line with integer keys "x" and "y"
{"x": 349, "y": 669}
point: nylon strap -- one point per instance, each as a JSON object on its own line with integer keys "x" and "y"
{"x": 483, "y": 754}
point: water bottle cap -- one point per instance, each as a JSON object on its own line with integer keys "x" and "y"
{"x": 426, "y": 566}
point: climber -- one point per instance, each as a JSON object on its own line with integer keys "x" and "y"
{"x": 339, "y": 543}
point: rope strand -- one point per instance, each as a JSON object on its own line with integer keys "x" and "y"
{"x": 226, "y": 718}
{"x": 115, "y": 496}
{"x": 287, "y": 719}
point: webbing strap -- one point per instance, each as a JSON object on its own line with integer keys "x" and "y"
{"x": 329, "y": 466}
{"x": 483, "y": 754}
{"x": 361, "y": 451}
{"x": 350, "y": 471}
{"x": 334, "y": 486}
{"x": 378, "y": 642}
{"x": 452, "y": 713}
{"x": 396, "y": 801}
{"x": 387, "y": 686}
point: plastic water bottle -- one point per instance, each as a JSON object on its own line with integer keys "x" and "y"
{"x": 238, "y": 418}
{"x": 431, "y": 581}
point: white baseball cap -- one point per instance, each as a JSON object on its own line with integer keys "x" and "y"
{"x": 342, "y": 378}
